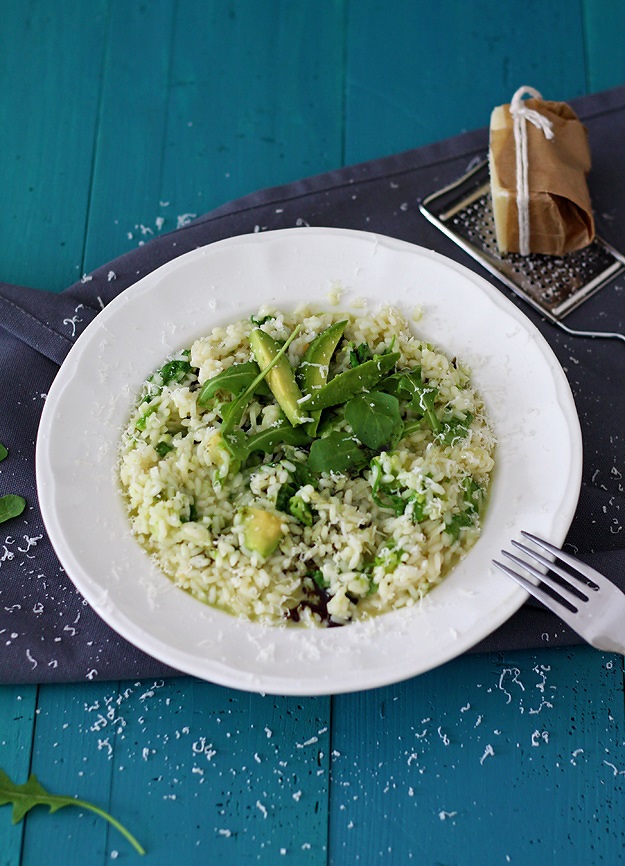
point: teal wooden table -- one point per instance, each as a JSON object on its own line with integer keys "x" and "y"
{"x": 121, "y": 119}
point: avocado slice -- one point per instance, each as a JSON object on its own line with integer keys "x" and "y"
{"x": 313, "y": 371}
{"x": 262, "y": 531}
{"x": 281, "y": 378}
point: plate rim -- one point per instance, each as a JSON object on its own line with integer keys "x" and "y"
{"x": 222, "y": 674}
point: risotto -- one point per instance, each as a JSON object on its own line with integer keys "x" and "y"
{"x": 310, "y": 467}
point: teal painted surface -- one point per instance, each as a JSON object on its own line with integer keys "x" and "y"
{"x": 50, "y": 70}
{"x": 189, "y": 767}
{"x": 119, "y": 120}
{"x": 419, "y": 72}
{"x": 513, "y": 759}
{"x": 17, "y": 716}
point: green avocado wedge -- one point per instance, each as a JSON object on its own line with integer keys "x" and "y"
{"x": 281, "y": 378}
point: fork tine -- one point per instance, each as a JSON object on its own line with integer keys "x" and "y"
{"x": 589, "y": 573}
{"x": 565, "y": 593}
{"x": 598, "y": 617}
{"x": 567, "y": 576}
{"x": 565, "y": 613}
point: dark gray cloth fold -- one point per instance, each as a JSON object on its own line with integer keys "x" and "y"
{"x": 49, "y": 633}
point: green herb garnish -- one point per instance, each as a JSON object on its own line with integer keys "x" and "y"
{"x": 163, "y": 448}
{"x": 337, "y": 452}
{"x": 174, "y": 371}
{"x": 375, "y": 419}
{"x": 32, "y": 793}
{"x": 359, "y": 354}
{"x": 11, "y": 506}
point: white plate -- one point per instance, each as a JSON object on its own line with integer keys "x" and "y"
{"x": 535, "y": 487}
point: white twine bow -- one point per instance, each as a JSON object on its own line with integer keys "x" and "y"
{"x": 521, "y": 114}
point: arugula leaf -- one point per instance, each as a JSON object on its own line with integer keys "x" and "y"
{"x": 337, "y": 452}
{"x": 142, "y": 421}
{"x": 375, "y": 419}
{"x": 288, "y": 502}
{"x": 235, "y": 441}
{"x": 389, "y": 496}
{"x": 174, "y": 371}
{"x": 317, "y": 577}
{"x": 285, "y": 493}
{"x": 287, "y": 499}
{"x": 385, "y": 495}
{"x": 458, "y": 522}
{"x": 473, "y": 495}
{"x": 360, "y": 354}
{"x": 256, "y": 321}
{"x": 454, "y": 430}
{"x": 11, "y": 506}
{"x": 303, "y": 476}
{"x": 409, "y": 385}
{"x": 280, "y": 434}
{"x": 241, "y": 446}
{"x": 389, "y": 556}
{"x": 32, "y": 793}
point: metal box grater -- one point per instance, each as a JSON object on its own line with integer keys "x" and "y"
{"x": 554, "y": 285}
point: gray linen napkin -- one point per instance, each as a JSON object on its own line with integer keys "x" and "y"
{"x": 49, "y": 633}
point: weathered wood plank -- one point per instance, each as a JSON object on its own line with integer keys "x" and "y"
{"x": 420, "y": 72}
{"x": 255, "y": 100}
{"x": 52, "y": 55}
{"x": 604, "y": 27}
{"x": 187, "y": 767}
{"x": 17, "y": 719}
{"x": 505, "y": 756}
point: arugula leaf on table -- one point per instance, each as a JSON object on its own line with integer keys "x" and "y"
{"x": 32, "y": 793}
{"x": 10, "y": 505}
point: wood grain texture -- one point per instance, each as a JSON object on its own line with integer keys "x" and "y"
{"x": 50, "y": 70}
{"x": 219, "y": 104}
{"x": 604, "y": 25}
{"x": 17, "y": 718}
{"x": 418, "y": 72}
{"x": 188, "y": 767}
{"x": 514, "y": 759}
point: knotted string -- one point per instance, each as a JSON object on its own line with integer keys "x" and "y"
{"x": 521, "y": 114}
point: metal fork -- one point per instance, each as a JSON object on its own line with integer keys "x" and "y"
{"x": 587, "y": 601}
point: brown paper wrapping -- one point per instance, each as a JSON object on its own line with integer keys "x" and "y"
{"x": 560, "y": 210}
